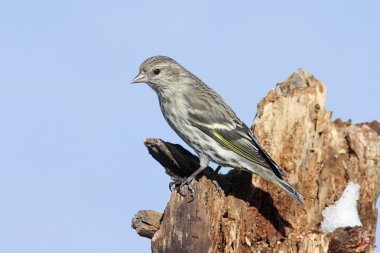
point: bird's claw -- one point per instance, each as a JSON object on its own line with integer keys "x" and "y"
{"x": 189, "y": 188}
{"x": 217, "y": 186}
{"x": 181, "y": 188}
{"x": 173, "y": 185}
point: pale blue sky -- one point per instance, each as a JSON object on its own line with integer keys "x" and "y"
{"x": 73, "y": 167}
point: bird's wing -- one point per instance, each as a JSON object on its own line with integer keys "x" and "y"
{"x": 225, "y": 128}
{"x": 263, "y": 152}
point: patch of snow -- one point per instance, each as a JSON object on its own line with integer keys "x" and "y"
{"x": 344, "y": 212}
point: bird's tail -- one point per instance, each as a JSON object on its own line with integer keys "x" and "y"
{"x": 289, "y": 189}
{"x": 279, "y": 181}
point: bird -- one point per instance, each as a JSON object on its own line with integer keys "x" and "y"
{"x": 206, "y": 123}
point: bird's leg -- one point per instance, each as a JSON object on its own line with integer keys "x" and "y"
{"x": 217, "y": 186}
{"x": 217, "y": 170}
{"x": 173, "y": 184}
{"x": 213, "y": 175}
{"x": 203, "y": 163}
{"x": 187, "y": 181}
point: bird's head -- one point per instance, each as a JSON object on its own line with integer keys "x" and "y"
{"x": 161, "y": 73}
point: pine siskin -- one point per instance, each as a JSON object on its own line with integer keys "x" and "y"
{"x": 207, "y": 124}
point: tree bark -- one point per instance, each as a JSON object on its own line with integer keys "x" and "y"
{"x": 319, "y": 156}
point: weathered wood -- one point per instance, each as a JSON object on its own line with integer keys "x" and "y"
{"x": 346, "y": 240}
{"x": 177, "y": 161}
{"x": 146, "y": 222}
{"x": 319, "y": 156}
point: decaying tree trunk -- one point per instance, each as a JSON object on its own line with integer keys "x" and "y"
{"x": 251, "y": 215}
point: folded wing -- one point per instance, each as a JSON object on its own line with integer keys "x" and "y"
{"x": 234, "y": 135}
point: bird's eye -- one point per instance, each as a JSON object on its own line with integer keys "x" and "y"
{"x": 156, "y": 71}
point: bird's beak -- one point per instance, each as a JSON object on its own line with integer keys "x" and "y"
{"x": 140, "y": 78}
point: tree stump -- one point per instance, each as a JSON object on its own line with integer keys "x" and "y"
{"x": 319, "y": 157}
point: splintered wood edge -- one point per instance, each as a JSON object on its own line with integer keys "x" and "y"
{"x": 159, "y": 150}
{"x": 349, "y": 239}
{"x": 177, "y": 161}
{"x": 146, "y": 222}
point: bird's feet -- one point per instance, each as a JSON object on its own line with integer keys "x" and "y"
{"x": 180, "y": 185}
{"x": 217, "y": 186}
{"x": 213, "y": 176}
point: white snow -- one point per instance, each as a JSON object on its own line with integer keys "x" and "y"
{"x": 344, "y": 212}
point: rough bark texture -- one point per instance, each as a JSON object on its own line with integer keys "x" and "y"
{"x": 146, "y": 222}
{"x": 318, "y": 155}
